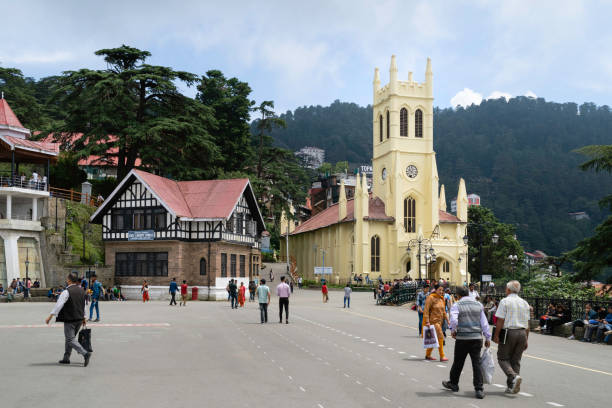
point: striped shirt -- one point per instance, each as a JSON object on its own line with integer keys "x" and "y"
{"x": 514, "y": 311}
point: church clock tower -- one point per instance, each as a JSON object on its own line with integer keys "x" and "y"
{"x": 405, "y": 175}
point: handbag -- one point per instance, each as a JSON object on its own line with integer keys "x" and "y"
{"x": 430, "y": 339}
{"x": 85, "y": 339}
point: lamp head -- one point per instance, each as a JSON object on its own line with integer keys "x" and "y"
{"x": 495, "y": 238}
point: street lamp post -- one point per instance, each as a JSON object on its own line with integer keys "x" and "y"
{"x": 423, "y": 244}
{"x": 513, "y": 259}
{"x": 431, "y": 259}
{"x": 494, "y": 240}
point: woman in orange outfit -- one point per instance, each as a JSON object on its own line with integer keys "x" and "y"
{"x": 434, "y": 315}
{"x": 241, "y": 294}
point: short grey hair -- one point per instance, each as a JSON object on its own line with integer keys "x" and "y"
{"x": 514, "y": 286}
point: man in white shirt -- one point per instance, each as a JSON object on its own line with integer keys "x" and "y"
{"x": 473, "y": 292}
{"x": 283, "y": 291}
{"x": 70, "y": 309}
{"x": 511, "y": 333}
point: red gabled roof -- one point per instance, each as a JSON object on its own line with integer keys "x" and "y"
{"x": 329, "y": 216}
{"x": 446, "y": 217}
{"x": 25, "y": 144}
{"x": 7, "y": 116}
{"x": 211, "y": 199}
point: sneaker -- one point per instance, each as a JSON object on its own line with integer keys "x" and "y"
{"x": 508, "y": 390}
{"x": 97, "y": 320}
{"x": 571, "y": 337}
{"x": 287, "y": 322}
{"x": 64, "y": 361}
{"x": 86, "y": 361}
{"x": 450, "y": 386}
{"x": 516, "y": 384}
{"x": 479, "y": 394}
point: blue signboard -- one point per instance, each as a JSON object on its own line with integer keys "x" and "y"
{"x": 144, "y": 235}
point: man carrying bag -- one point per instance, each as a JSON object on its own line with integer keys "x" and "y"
{"x": 70, "y": 309}
{"x": 468, "y": 324}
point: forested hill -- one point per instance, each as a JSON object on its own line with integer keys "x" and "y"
{"x": 517, "y": 155}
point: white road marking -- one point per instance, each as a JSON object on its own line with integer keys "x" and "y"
{"x": 525, "y": 394}
{"x": 413, "y": 356}
{"x": 385, "y": 398}
{"x": 381, "y": 345}
{"x": 402, "y": 374}
{"x": 281, "y": 368}
{"x": 290, "y": 378}
{"x": 401, "y": 352}
{"x": 346, "y": 375}
{"x": 440, "y": 365}
{"x": 499, "y": 386}
{"x": 357, "y": 337}
{"x": 474, "y": 405}
{"x": 320, "y": 406}
{"x": 369, "y": 389}
{"x": 414, "y": 379}
{"x": 387, "y": 367}
{"x": 431, "y": 387}
{"x": 358, "y": 382}
{"x": 302, "y": 389}
{"x": 390, "y": 348}
{"x": 554, "y": 404}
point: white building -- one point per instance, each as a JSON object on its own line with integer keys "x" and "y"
{"x": 313, "y": 157}
{"x": 473, "y": 199}
{"x": 22, "y": 198}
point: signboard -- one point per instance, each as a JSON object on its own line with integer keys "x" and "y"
{"x": 323, "y": 270}
{"x": 144, "y": 235}
{"x": 486, "y": 278}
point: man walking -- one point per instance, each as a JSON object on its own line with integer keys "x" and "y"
{"x": 70, "y": 309}
{"x": 263, "y": 296}
{"x": 96, "y": 292}
{"x": 184, "y": 294}
{"x": 420, "y": 304}
{"x": 233, "y": 292}
{"x": 468, "y": 323}
{"x": 511, "y": 333}
{"x": 283, "y": 291}
{"x": 347, "y": 295}
{"x": 172, "y": 290}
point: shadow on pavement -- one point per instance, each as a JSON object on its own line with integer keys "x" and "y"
{"x": 55, "y": 364}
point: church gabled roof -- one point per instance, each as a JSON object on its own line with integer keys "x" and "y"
{"x": 446, "y": 217}
{"x": 7, "y": 116}
{"x": 329, "y": 216}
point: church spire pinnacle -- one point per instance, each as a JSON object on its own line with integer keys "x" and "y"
{"x": 393, "y": 74}
{"x": 429, "y": 77}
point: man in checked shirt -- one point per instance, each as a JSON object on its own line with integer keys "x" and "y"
{"x": 70, "y": 309}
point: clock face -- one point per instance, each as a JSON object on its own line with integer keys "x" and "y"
{"x": 384, "y": 174}
{"x": 412, "y": 171}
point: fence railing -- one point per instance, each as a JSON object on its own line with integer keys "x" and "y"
{"x": 575, "y": 307}
{"x": 73, "y": 195}
{"x": 400, "y": 296}
{"x": 22, "y": 182}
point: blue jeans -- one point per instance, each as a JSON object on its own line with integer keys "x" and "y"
{"x": 94, "y": 304}
{"x": 234, "y": 300}
{"x": 420, "y": 323}
{"x": 347, "y": 300}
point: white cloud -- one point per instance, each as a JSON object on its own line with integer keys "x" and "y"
{"x": 37, "y": 57}
{"x": 530, "y": 94}
{"x": 466, "y": 97}
{"x": 499, "y": 94}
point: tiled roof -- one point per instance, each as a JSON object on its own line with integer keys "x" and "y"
{"x": 110, "y": 160}
{"x": 25, "y": 144}
{"x": 329, "y": 216}
{"x": 210, "y": 199}
{"x": 446, "y": 217}
{"x": 7, "y": 116}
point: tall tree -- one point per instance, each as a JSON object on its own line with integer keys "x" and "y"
{"x": 137, "y": 110}
{"x": 20, "y": 92}
{"x": 229, "y": 100}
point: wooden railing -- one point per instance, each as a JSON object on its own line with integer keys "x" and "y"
{"x": 73, "y": 195}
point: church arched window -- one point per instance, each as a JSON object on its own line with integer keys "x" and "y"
{"x": 446, "y": 267}
{"x": 404, "y": 122}
{"x": 375, "y": 254}
{"x": 388, "y": 124}
{"x": 410, "y": 215}
{"x": 380, "y": 128}
{"x": 418, "y": 123}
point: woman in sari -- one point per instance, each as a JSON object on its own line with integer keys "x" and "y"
{"x": 145, "y": 292}
{"x": 434, "y": 315}
{"x": 241, "y": 294}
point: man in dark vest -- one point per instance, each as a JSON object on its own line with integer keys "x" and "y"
{"x": 70, "y": 309}
{"x": 468, "y": 324}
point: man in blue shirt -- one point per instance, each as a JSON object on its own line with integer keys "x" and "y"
{"x": 420, "y": 304}
{"x": 172, "y": 291}
{"x": 97, "y": 291}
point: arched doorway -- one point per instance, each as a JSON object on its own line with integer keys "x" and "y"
{"x": 407, "y": 268}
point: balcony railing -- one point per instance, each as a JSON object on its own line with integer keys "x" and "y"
{"x": 23, "y": 182}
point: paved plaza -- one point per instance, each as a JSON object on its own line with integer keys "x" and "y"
{"x": 207, "y": 355}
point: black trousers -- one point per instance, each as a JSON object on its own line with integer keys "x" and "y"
{"x": 173, "y": 300}
{"x": 462, "y": 349}
{"x": 283, "y": 302}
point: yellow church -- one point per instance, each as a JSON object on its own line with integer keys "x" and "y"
{"x": 400, "y": 227}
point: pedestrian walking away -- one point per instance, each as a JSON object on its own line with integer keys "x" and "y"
{"x": 420, "y": 304}
{"x": 468, "y": 323}
{"x": 252, "y": 288}
{"x": 324, "y": 292}
{"x": 511, "y": 334}
{"x": 283, "y": 291}
{"x": 433, "y": 315}
{"x": 172, "y": 290}
{"x": 70, "y": 309}
{"x": 233, "y": 292}
{"x": 263, "y": 297}
{"x": 184, "y": 294}
{"x": 96, "y": 291}
{"x": 347, "y": 295}
{"x": 145, "y": 292}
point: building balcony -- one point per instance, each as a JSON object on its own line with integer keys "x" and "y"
{"x": 21, "y": 186}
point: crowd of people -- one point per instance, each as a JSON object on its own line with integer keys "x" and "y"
{"x": 21, "y": 286}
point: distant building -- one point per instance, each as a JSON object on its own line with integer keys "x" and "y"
{"x": 326, "y": 191}
{"x": 313, "y": 157}
{"x": 532, "y": 258}
{"x": 473, "y": 199}
{"x": 581, "y": 215}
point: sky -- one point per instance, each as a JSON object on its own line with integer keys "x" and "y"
{"x": 314, "y": 52}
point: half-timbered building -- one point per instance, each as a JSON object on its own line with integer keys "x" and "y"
{"x": 204, "y": 231}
